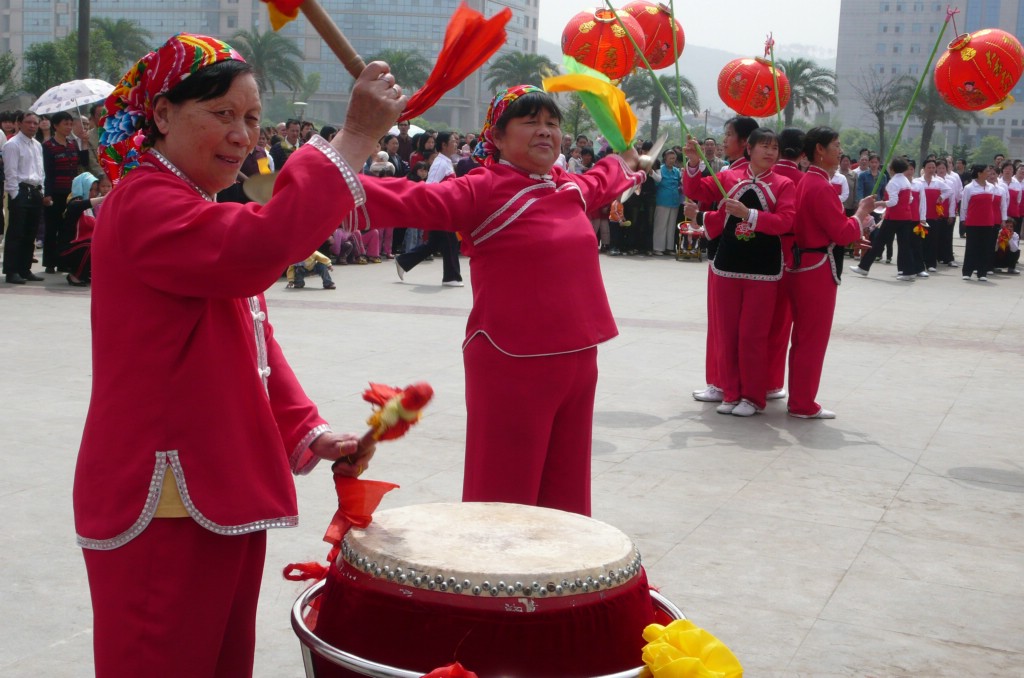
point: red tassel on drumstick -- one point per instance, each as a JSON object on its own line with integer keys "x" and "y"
{"x": 469, "y": 41}
{"x": 395, "y": 411}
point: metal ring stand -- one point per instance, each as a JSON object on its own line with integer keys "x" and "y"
{"x": 311, "y": 643}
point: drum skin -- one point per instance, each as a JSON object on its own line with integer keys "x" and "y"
{"x": 588, "y": 626}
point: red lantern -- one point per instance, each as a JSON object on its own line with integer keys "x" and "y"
{"x": 979, "y": 69}
{"x": 748, "y": 87}
{"x": 656, "y": 22}
{"x": 594, "y": 38}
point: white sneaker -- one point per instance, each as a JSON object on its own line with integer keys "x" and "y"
{"x": 745, "y": 408}
{"x": 905, "y": 278}
{"x": 932, "y": 269}
{"x": 401, "y": 271}
{"x": 858, "y": 270}
{"x": 1012, "y": 271}
{"x": 453, "y": 283}
{"x": 967, "y": 277}
{"x": 923, "y": 274}
{"x": 822, "y": 414}
{"x": 726, "y": 408}
{"x": 711, "y": 394}
{"x": 982, "y": 278}
{"x": 777, "y": 394}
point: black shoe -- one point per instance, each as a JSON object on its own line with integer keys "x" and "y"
{"x": 14, "y": 279}
{"x": 51, "y": 270}
{"x": 76, "y": 283}
{"x": 32, "y": 277}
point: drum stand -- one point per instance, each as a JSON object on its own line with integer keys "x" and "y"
{"x": 311, "y": 644}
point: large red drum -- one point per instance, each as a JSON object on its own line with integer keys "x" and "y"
{"x": 504, "y": 589}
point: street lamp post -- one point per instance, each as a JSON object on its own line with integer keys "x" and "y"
{"x": 301, "y": 105}
{"x": 82, "y": 67}
{"x": 707, "y": 111}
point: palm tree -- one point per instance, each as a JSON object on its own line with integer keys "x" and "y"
{"x": 643, "y": 93}
{"x": 128, "y": 38}
{"x": 519, "y": 68}
{"x": 883, "y": 97}
{"x": 930, "y": 109}
{"x": 809, "y": 85}
{"x": 409, "y": 67}
{"x": 273, "y": 57}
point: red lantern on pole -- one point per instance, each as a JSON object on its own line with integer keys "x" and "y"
{"x": 979, "y": 69}
{"x": 747, "y": 87}
{"x": 657, "y": 23}
{"x": 594, "y": 38}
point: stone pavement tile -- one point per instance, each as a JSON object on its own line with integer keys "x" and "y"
{"x": 853, "y": 647}
{"x": 956, "y": 614}
{"x": 738, "y": 579}
{"x": 874, "y": 486}
{"x": 903, "y": 556}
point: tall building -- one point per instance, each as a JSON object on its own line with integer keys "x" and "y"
{"x": 883, "y": 39}
{"x": 370, "y": 27}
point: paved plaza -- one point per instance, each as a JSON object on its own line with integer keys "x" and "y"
{"x": 888, "y": 542}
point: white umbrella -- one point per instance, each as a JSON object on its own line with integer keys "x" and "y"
{"x": 413, "y": 130}
{"x": 72, "y": 95}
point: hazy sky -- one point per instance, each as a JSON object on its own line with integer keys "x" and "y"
{"x": 742, "y": 24}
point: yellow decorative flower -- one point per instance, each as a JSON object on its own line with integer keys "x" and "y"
{"x": 968, "y": 53}
{"x": 684, "y": 650}
{"x": 587, "y": 26}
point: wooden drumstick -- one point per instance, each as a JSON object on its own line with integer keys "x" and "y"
{"x": 333, "y": 36}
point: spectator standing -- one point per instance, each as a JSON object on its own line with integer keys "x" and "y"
{"x": 23, "y": 183}
{"x": 667, "y": 200}
{"x": 61, "y": 161}
{"x": 284, "y": 148}
{"x": 404, "y": 142}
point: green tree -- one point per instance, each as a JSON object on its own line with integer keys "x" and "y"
{"x": 519, "y": 68}
{"x": 852, "y": 140}
{"x": 576, "y": 119}
{"x": 310, "y": 86}
{"x": 987, "y": 149}
{"x": 45, "y": 64}
{"x": 128, "y": 39}
{"x": 810, "y": 86}
{"x": 644, "y": 94}
{"x": 930, "y": 109}
{"x": 884, "y": 96}
{"x": 409, "y": 66}
{"x": 8, "y": 75}
{"x": 274, "y": 59}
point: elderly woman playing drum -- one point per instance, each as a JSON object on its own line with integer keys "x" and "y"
{"x": 539, "y": 305}
{"x": 196, "y": 420}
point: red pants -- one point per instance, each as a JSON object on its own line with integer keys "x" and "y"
{"x": 743, "y": 310}
{"x": 778, "y": 339}
{"x": 711, "y": 345}
{"x": 178, "y": 600}
{"x": 812, "y": 296}
{"x": 529, "y": 427}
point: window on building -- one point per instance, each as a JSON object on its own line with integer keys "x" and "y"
{"x": 885, "y": 28}
{"x": 885, "y": 6}
{"x": 1013, "y": 123}
{"x": 232, "y": 20}
{"x": 897, "y": 48}
{"x": 916, "y": 28}
{"x": 1002, "y": 122}
{"x": 915, "y": 49}
{"x": 881, "y": 48}
{"x": 898, "y": 28}
{"x": 899, "y": 6}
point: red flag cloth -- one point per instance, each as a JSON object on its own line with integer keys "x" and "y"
{"x": 455, "y": 670}
{"x": 357, "y": 500}
{"x": 469, "y": 41}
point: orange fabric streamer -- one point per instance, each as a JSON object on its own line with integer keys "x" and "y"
{"x": 282, "y": 11}
{"x": 469, "y": 41}
{"x": 357, "y": 500}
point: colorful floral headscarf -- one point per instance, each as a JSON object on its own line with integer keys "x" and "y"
{"x": 130, "y": 106}
{"x": 485, "y": 150}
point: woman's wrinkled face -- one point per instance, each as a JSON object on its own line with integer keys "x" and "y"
{"x": 531, "y": 142}
{"x": 208, "y": 140}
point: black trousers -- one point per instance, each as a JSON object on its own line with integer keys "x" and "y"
{"x": 976, "y": 255}
{"x": 24, "y": 212}
{"x": 943, "y": 232}
{"x": 909, "y": 256}
{"x": 58, "y": 236}
{"x": 437, "y": 241}
{"x": 880, "y": 238}
{"x": 935, "y": 243}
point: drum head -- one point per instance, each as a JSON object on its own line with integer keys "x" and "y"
{"x": 471, "y": 548}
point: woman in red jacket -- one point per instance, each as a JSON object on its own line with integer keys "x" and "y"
{"x": 196, "y": 421}
{"x": 979, "y": 210}
{"x": 821, "y": 230}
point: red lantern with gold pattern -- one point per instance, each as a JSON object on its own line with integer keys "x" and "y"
{"x": 657, "y": 23}
{"x": 979, "y": 69}
{"x": 594, "y": 38}
{"x": 748, "y": 87}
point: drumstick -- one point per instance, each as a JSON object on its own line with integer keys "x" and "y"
{"x": 395, "y": 411}
{"x": 283, "y": 11}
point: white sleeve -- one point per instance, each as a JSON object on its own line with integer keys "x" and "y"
{"x": 893, "y": 190}
{"x": 844, "y": 186}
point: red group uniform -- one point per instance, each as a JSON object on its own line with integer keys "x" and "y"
{"x": 821, "y": 231}
{"x": 539, "y": 313}
{"x": 933, "y": 210}
{"x": 746, "y": 270}
{"x": 782, "y": 317}
{"x": 195, "y": 413}
{"x": 981, "y": 206}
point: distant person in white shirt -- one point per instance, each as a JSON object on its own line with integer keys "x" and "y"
{"x": 23, "y": 183}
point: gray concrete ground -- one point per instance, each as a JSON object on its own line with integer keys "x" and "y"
{"x": 884, "y": 543}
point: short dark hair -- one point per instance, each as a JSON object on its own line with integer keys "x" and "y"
{"x": 328, "y": 132}
{"x": 742, "y": 125}
{"x": 527, "y": 105}
{"x": 95, "y": 107}
{"x": 762, "y": 135}
{"x": 442, "y": 138}
{"x": 791, "y": 143}
{"x": 292, "y": 121}
{"x": 20, "y": 115}
{"x": 60, "y": 117}
{"x": 899, "y": 165}
{"x": 587, "y": 150}
{"x": 978, "y": 169}
{"x": 818, "y": 136}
